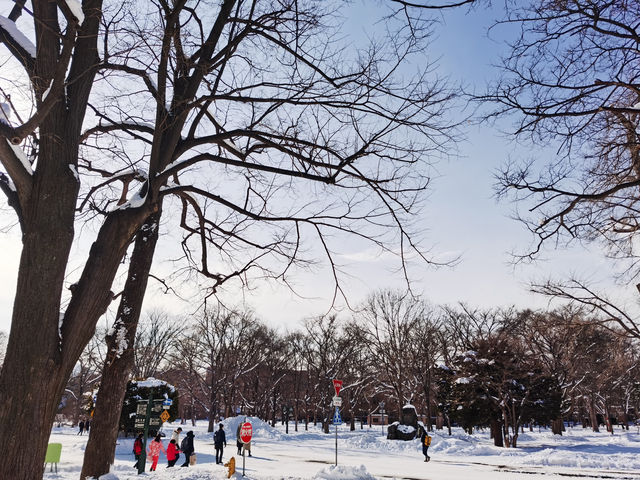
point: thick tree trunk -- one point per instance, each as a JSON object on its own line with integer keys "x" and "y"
{"x": 496, "y": 433}
{"x": 557, "y": 426}
{"x": 32, "y": 384}
{"x": 593, "y": 417}
{"x": 100, "y": 451}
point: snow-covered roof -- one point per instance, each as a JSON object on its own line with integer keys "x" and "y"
{"x": 153, "y": 382}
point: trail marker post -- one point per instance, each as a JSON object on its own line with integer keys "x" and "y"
{"x": 246, "y": 432}
{"x": 337, "y": 402}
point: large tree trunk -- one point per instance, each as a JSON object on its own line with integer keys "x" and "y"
{"x": 496, "y": 433}
{"x": 557, "y": 426}
{"x": 100, "y": 451}
{"x": 593, "y": 417}
{"x": 33, "y": 379}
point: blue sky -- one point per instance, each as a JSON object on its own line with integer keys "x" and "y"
{"x": 461, "y": 216}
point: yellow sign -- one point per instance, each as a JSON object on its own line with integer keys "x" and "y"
{"x": 164, "y": 416}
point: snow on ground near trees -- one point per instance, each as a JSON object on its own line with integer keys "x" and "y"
{"x": 365, "y": 454}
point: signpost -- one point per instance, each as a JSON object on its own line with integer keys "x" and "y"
{"x": 337, "y": 384}
{"x": 337, "y": 402}
{"x": 148, "y": 415}
{"x": 246, "y": 432}
{"x": 382, "y": 417}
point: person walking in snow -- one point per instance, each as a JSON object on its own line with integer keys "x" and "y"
{"x": 137, "y": 449}
{"x": 219, "y": 438}
{"x": 176, "y": 435}
{"x": 425, "y": 440}
{"x": 172, "y": 453}
{"x": 81, "y": 427}
{"x": 187, "y": 447}
{"x": 238, "y": 441}
{"x": 154, "y": 450}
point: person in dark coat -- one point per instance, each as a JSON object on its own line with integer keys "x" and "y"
{"x": 81, "y": 427}
{"x": 425, "y": 440}
{"x": 187, "y": 447}
{"x": 219, "y": 438}
{"x": 239, "y": 443}
{"x": 137, "y": 449}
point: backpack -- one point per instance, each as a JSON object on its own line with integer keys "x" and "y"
{"x": 427, "y": 440}
{"x": 183, "y": 444}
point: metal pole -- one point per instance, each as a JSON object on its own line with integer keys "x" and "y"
{"x": 243, "y": 458}
{"x": 143, "y": 458}
{"x": 336, "y": 444}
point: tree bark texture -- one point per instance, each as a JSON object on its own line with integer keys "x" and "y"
{"x": 496, "y": 433}
{"x": 100, "y": 451}
{"x": 593, "y": 417}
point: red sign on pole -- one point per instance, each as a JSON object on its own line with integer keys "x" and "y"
{"x": 337, "y": 384}
{"x": 246, "y": 432}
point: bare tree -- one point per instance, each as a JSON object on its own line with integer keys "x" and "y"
{"x": 389, "y": 319}
{"x": 154, "y": 342}
{"x": 327, "y": 352}
{"x": 570, "y": 82}
{"x": 256, "y": 95}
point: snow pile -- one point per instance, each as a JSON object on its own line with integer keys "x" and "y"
{"x": 108, "y": 476}
{"x": 261, "y": 430}
{"x": 344, "y": 473}
{"x": 406, "y": 429}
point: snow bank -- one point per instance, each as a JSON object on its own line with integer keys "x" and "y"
{"x": 261, "y": 429}
{"x": 344, "y": 473}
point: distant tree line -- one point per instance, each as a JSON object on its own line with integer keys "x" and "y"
{"x": 501, "y": 369}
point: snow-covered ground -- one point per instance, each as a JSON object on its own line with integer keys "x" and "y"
{"x": 365, "y": 455}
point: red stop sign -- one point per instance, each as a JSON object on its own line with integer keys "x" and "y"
{"x": 246, "y": 432}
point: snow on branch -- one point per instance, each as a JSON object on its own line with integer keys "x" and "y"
{"x": 11, "y": 30}
{"x": 20, "y": 155}
{"x": 76, "y": 10}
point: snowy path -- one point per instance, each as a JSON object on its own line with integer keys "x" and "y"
{"x": 310, "y": 455}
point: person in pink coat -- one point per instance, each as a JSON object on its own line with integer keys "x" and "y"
{"x": 154, "y": 450}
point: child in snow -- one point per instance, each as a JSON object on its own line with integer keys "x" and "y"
{"x": 172, "y": 453}
{"x": 154, "y": 450}
{"x": 137, "y": 449}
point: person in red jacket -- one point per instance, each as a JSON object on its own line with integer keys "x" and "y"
{"x": 154, "y": 450}
{"x": 172, "y": 453}
{"x": 137, "y": 449}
